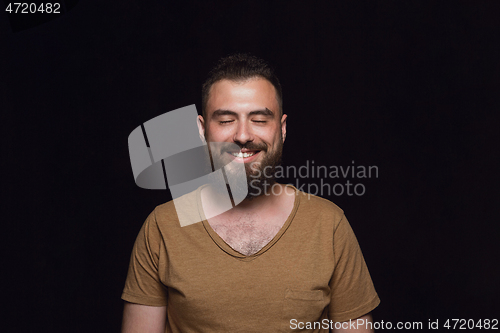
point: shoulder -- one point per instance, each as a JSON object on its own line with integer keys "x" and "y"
{"x": 319, "y": 208}
{"x": 182, "y": 211}
{"x": 165, "y": 212}
{"x": 158, "y": 220}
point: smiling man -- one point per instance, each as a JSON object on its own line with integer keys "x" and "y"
{"x": 280, "y": 261}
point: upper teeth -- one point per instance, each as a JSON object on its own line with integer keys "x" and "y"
{"x": 240, "y": 154}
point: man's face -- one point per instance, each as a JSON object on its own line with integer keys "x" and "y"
{"x": 246, "y": 114}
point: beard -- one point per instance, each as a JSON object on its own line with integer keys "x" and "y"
{"x": 258, "y": 177}
{"x": 261, "y": 175}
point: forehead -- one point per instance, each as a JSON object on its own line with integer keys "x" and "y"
{"x": 242, "y": 96}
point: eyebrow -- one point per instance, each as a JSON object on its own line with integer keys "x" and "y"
{"x": 263, "y": 112}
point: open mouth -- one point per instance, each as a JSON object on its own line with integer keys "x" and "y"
{"x": 240, "y": 154}
{"x": 244, "y": 155}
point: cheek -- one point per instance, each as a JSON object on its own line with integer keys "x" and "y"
{"x": 268, "y": 134}
{"x": 278, "y": 143}
{"x": 217, "y": 134}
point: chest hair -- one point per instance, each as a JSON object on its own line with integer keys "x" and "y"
{"x": 245, "y": 234}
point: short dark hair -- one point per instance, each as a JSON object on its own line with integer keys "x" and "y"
{"x": 240, "y": 67}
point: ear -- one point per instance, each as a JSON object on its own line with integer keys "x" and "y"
{"x": 201, "y": 128}
{"x": 283, "y": 127}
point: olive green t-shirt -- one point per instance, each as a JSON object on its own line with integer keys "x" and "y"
{"x": 312, "y": 271}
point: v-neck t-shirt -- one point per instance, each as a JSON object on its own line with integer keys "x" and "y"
{"x": 312, "y": 272}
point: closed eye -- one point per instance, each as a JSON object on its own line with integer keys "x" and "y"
{"x": 225, "y": 121}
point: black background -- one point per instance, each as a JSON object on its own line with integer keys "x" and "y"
{"x": 411, "y": 87}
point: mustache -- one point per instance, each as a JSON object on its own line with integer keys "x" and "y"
{"x": 253, "y": 146}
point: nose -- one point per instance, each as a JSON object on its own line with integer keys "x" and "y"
{"x": 243, "y": 133}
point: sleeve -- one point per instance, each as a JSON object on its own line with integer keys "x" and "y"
{"x": 143, "y": 284}
{"x": 352, "y": 292}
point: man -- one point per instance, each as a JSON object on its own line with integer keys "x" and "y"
{"x": 280, "y": 261}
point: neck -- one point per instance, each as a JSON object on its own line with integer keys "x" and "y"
{"x": 211, "y": 200}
